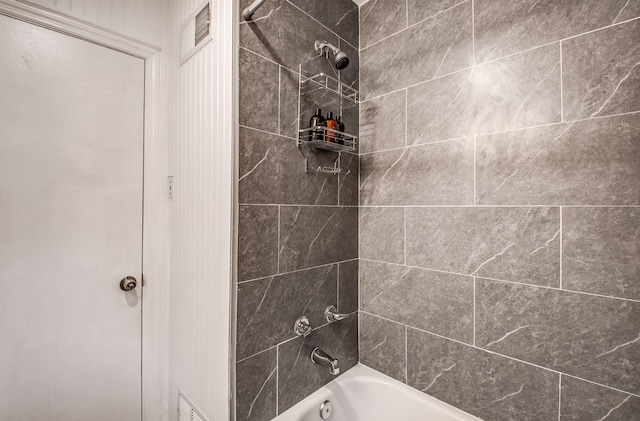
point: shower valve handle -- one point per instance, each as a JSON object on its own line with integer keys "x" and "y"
{"x": 331, "y": 314}
{"x": 302, "y": 327}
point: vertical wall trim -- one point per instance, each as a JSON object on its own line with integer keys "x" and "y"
{"x": 233, "y": 308}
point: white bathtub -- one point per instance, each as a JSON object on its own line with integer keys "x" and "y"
{"x": 363, "y": 394}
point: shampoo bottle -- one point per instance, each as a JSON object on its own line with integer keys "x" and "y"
{"x": 316, "y": 122}
{"x": 340, "y": 128}
{"x": 331, "y": 124}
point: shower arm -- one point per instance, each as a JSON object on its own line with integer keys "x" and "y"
{"x": 323, "y": 47}
{"x": 249, "y": 11}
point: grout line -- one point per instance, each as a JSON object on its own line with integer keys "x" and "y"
{"x": 289, "y": 340}
{"x": 358, "y": 334}
{"x": 338, "y": 289}
{"x": 496, "y": 59}
{"x": 413, "y": 25}
{"x": 406, "y": 116}
{"x": 402, "y": 148}
{"x": 474, "y": 169}
{"x": 504, "y": 356}
{"x": 474, "y": 206}
{"x": 561, "y": 246}
{"x": 558, "y": 40}
{"x": 406, "y": 9}
{"x": 267, "y": 58}
{"x": 279, "y": 218}
{"x": 466, "y": 69}
{"x": 560, "y": 397}
{"x": 277, "y": 378}
{"x": 561, "y": 87}
{"x": 473, "y": 33}
{"x": 503, "y": 280}
{"x": 298, "y": 205}
{"x": 323, "y": 25}
{"x": 266, "y": 132}
{"x": 406, "y": 354}
{"x": 257, "y": 353}
{"x": 404, "y": 235}
{"x": 279, "y": 98}
{"x": 296, "y": 271}
{"x": 600, "y": 384}
{"x": 474, "y": 311}
{"x": 504, "y": 132}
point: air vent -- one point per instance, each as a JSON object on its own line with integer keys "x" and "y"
{"x": 187, "y": 411}
{"x": 195, "y": 32}
{"x": 202, "y": 24}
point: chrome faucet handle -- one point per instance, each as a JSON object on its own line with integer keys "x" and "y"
{"x": 331, "y": 314}
{"x": 318, "y": 356}
{"x": 302, "y": 326}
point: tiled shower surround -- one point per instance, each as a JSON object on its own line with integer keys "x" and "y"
{"x": 493, "y": 217}
{"x": 500, "y": 204}
{"x": 298, "y": 232}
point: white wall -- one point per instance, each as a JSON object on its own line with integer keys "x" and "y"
{"x": 202, "y": 163}
{"x": 187, "y": 255}
{"x": 137, "y": 19}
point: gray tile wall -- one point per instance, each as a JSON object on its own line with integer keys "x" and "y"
{"x": 297, "y": 232}
{"x": 500, "y": 204}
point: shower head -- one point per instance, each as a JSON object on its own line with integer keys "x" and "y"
{"x": 340, "y": 59}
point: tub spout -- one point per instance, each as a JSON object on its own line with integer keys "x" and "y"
{"x": 318, "y": 356}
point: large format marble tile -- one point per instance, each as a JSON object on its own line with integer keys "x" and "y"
{"x": 298, "y": 376}
{"x": 435, "y": 174}
{"x": 351, "y": 75}
{"x": 381, "y": 18}
{"x": 517, "y": 91}
{"x": 338, "y": 15}
{"x": 601, "y": 72}
{"x": 382, "y": 346}
{"x": 289, "y": 90}
{"x": 594, "y": 338}
{"x": 348, "y": 180}
{"x": 419, "y": 10}
{"x": 601, "y": 251}
{"x": 283, "y": 33}
{"x": 505, "y": 27}
{"x": 314, "y": 235}
{"x": 256, "y": 387}
{"x": 438, "y": 302}
{"x": 383, "y": 123}
{"x": 382, "y": 234}
{"x": 269, "y": 307}
{"x": 593, "y": 162}
{"x": 429, "y": 49}
{"x": 583, "y": 401}
{"x": 272, "y": 172}
{"x": 257, "y": 242}
{"x": 258, "y": 101}
{"x": 514, "y": 244}
{"x": 489, "y": 386}
{"x": 348, "y": 286}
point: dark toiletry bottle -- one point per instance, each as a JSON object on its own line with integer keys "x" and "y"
{"x": 331, "y": 124}
{"x": 316, "y": 122}
{"x": 341, "y": 129}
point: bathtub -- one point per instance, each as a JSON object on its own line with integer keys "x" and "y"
{"x": 363, "y": 394}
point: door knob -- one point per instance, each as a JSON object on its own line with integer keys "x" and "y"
{"x": 128, "y": 283}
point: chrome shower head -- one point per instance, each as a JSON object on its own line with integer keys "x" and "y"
{"x": 340, "y": 59}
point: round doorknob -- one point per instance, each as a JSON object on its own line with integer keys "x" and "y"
{"x": 128, "y": 283}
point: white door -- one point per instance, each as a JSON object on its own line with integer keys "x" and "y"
{"x": 71, "y": 136}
